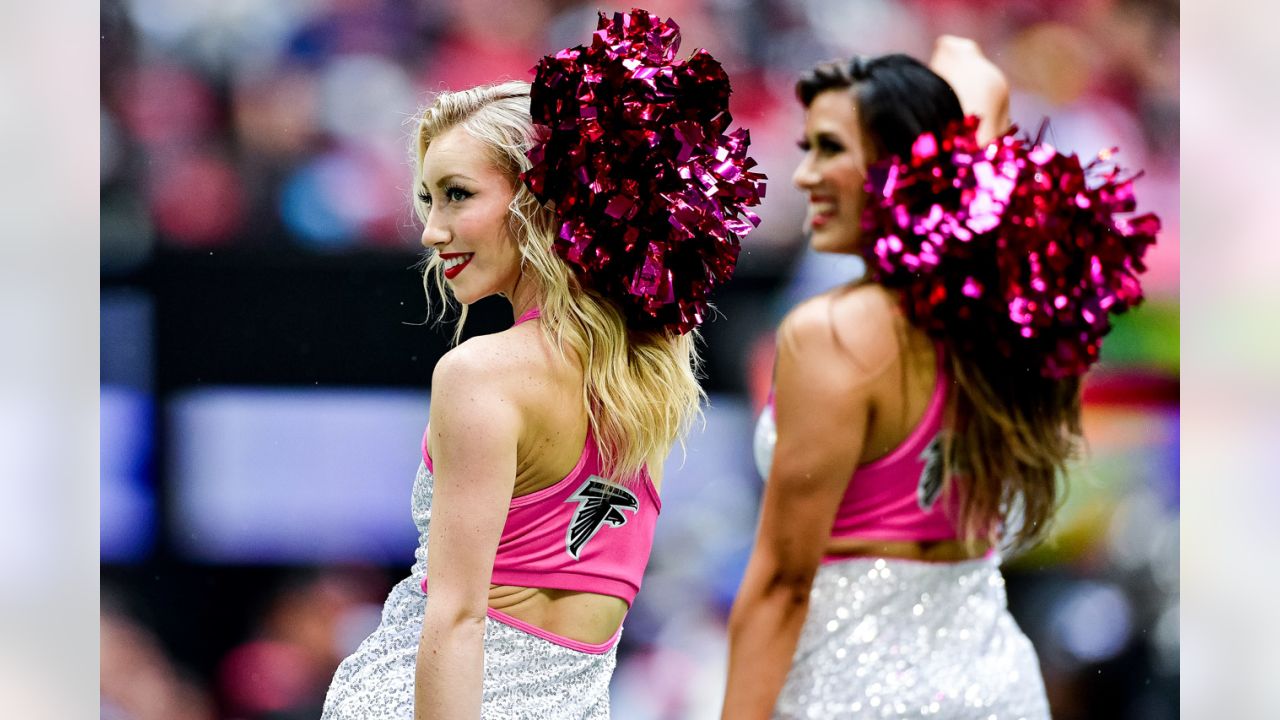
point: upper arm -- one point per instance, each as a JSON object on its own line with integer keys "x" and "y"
{"x": 821, "y": 411}
{"x": 475, "y": 427}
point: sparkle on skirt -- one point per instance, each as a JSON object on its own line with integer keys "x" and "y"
{"x": 897, "y": 638}
{"x": 525, "y": 677}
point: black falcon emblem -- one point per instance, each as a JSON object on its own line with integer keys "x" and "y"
{"x": 599, "y": 502}
{"x": 930, "y": 485}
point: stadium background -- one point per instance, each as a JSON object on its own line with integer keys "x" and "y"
{"x": 265, "y": 362}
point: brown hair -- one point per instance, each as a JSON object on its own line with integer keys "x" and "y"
{"x": 1012, "y": 431}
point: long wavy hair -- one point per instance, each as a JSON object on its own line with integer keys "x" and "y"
{"x": 640, "y": 389}
{"x": 1011, "y": 431}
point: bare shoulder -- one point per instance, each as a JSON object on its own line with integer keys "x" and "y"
{"x": 476, "y": 399}
{"x": 500, "y": 364}
{"x": 851, "y": 329}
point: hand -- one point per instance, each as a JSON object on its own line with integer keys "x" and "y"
{"x": 981, "y": 86}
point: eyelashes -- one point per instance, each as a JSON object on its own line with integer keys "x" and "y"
{"x": 452, "y": 193}
{"x": 456, "y": 194}
{"x": 825, "y": 145}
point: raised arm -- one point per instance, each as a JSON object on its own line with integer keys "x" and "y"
{"x": 821, "y": 412}
{"x": 475, "y": 426}
{"x": 980, "y": 85}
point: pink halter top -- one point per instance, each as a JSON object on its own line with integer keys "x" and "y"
{"x": 895, "y": 497}
{"x": 585, "y": 533}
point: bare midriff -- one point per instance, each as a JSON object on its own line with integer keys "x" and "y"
{"x": 925, "y": 551}
{"x": 586, "y": 617}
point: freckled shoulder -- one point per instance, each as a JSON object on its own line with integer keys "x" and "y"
{"x": 507, "y": 364}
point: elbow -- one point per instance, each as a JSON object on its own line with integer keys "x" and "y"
{"x": 791, "y": 586}
{"x": 788, "y": 571}
{"x": 782, "y": 592}
{"x": 445, "y": 616}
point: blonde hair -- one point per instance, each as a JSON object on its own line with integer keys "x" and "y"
{"x": 640, "y": 389}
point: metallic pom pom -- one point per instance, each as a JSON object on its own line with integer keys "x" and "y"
{"x": 1012, "y": 247}
{"x": 634, "y": 156}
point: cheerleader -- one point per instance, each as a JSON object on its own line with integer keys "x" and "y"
{"x": 921, "y": 415}
{"x": 538, "y": 491}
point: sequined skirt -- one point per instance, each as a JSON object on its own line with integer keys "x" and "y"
{"x": 898, "y": 638}
{"x": 525, "y": 677}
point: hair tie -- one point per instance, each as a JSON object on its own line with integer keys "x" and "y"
{"x": 633, "y": 155}
{"x": 858, "y": 68}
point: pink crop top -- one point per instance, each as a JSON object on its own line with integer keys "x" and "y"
{"x": 583, "y": 534}
{"x": 893, "y": 498}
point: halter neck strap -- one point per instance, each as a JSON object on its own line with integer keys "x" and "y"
{"x": 529, "y": 314}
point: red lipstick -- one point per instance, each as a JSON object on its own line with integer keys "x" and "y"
{"x": 451, "y": 269}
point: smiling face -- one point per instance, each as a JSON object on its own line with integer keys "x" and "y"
{"x": 833, "y": 171}
{"x": 464, "y": 198}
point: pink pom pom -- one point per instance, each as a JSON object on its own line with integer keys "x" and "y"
{"x": 634, "y": 155}
{"x": 1015, "y": 248}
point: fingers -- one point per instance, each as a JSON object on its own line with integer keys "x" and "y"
{"x": 955, "y": 43}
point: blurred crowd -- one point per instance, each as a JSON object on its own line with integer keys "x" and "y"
{"x": 278, "y": 128}
{"x": 259, "y": 123}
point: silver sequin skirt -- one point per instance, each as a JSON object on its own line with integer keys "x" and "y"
{"x": 897, "y": 638}
{"x": 525, "y": 677}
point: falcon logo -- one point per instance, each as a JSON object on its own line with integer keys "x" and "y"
{"x": 930, "y": 485}
{"x": 599, "y": 502}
